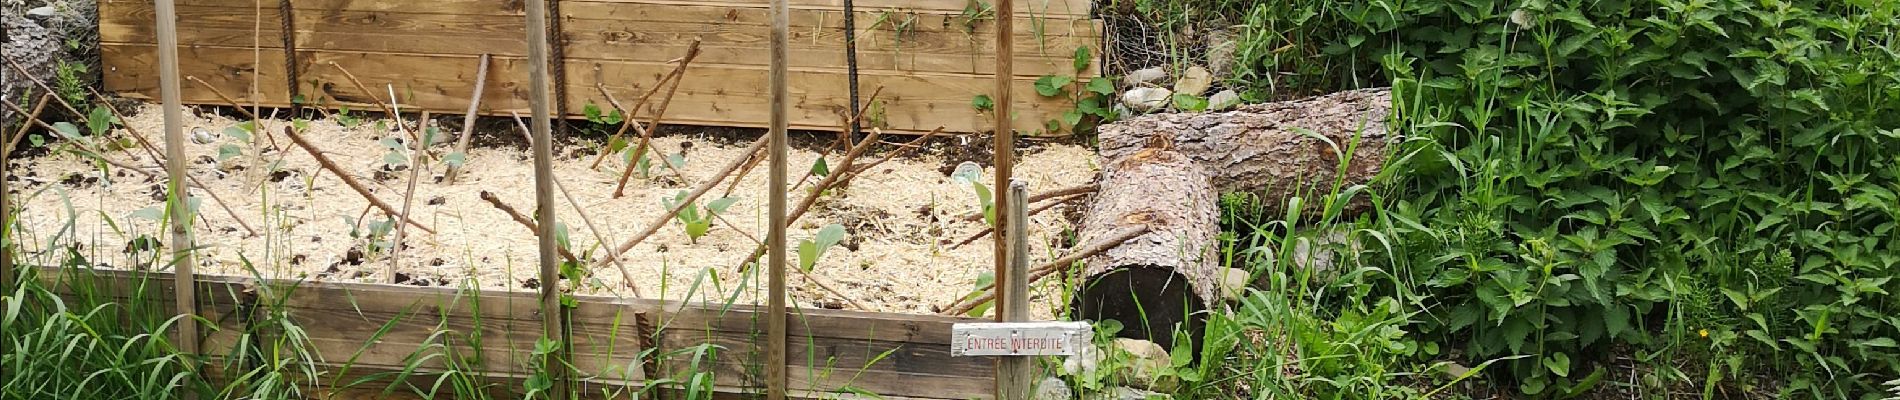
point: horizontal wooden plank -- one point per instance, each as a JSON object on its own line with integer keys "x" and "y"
{"x": 712, "y": 95}
{"x": 1024, "y": 8}
{"x": 635, "y": 32}
{"x": 902, "y": 356}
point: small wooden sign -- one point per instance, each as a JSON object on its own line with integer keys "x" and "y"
{"x": 1019, "y": 338}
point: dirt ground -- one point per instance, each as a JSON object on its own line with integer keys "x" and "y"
{"x": 902, "y": 218}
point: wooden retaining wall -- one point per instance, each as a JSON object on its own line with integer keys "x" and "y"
{"x": 833, "y": 354}
{"x": 930, "y": 59}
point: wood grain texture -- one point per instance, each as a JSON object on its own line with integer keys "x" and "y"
{"x": 1276, "y": 150}
{"x": 1167, "y": 276}
{"x": 894, "y": 355}
{"x": 929, "y": 59}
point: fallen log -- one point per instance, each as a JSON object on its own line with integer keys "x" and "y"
{"x": 1274, "y": 150}
{"x": 1163, "y": 279}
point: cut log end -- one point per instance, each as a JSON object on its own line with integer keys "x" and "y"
{"x": 1151, "y": 303}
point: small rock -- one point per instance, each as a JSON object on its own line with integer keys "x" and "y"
{"x": 1146, "y": 99}
{"x": 1195, "y": 81}
{"x": 1085, "y": 361}
{"x": 200, "y": 135}
{"x": 1221, "y": 48}
{"x": 1128, "y": 393}
{"x": 1222, "y": 100}
{"x": 1146, "y": 362}
{"x": 1053, "y": 388}
{"x": 1233, "y": 283}
{"x": 1150, "y": 76}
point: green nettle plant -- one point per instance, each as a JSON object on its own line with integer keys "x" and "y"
{"x": 696, "y": 220}
{"x": 1704, "y": 181}
{"x": 1707, "y": 187}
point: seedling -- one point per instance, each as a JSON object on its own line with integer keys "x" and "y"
{"x": 697, "y": 223}
{"x": 810, "y": 250}
{"x": 968, "y": 173}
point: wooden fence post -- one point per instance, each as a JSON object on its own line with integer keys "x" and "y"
{"x": 184, "y": 264}
{"x": 1005, "y": 142}
{"x": 1012, "y": 305}
{"x": 775, "y": 368}
{"x": 551, "y": 313}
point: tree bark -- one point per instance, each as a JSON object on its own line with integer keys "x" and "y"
{"x": 1272, "y": 149}
{"x": 1165, "y": 277}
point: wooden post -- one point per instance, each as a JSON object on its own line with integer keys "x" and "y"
{"x": 1005, "y": 146}
{"x": 1013, "y": 373}
{"x": 551, "y": 313}
{"x": 183, "y": 265}
{"x": 775, "y": 368}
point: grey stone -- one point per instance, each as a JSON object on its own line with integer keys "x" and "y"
{"x": 1053, "y": 388}
{"x": 1195, "y": 81}
{"x": 1233, "y": 283}
{"x": 1223, "y": 100}
{"x": 1146, "y": 363}
{"x": 1221, "y": 48}
{"x": 1150, "y": 76}
{"x": 1085, "y": 361}
{"x": 1145, "y": 99}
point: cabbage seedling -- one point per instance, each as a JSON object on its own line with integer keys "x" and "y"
{"x": 696, "y": 222}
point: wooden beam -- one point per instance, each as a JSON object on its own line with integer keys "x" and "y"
{"x": 1004, "y": 147}
{"x": 554, "y": 365}
{"x": 1013, "y": 373}
{"x": 184, "y": 264}
{"x": 775, "y": 363}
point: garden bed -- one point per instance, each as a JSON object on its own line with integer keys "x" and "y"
{"x": 902, "y": 219}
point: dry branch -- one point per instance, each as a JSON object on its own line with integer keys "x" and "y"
{"x": 408, "y": 197}
{"x": 688, "y": 202}
{"x": 379, "y": 101}
{"x": 646, "y": 135}
{"x": 349, "y": 180}
{"x": 1034, "y": 198}
{"x": 625, "y": 275}
{"x": 27, "y": 124}
{"x": 1108, "y": 242}
{"x": 524, "y": 221}
{"x": 987, "y": 230}
{"x": 256, "y": 121}
{"x": 468, "y": 120}
{"x": 678, "y": 73}
{"x": 818, "y": 190}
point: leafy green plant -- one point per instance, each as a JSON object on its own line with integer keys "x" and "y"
{"x": 809, "y": 250}
{"x": 1094, "y": 101}
{"x": 696, "y": 220}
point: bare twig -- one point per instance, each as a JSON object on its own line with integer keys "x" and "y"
{"x": 468, "y": 120}
{"x": 961, "y": 306}
{"x": 991, "y": 229}
{"x": 1063, "y": 192}
{"x": 27, "y": 123}
{"x": 819, "y": 189}
{"x": 749, "y": 165}
{"x": 379, "y": 101}
{"x": 524, "y": 221}
{"x": 416, "y": 158}
{"x": 349, "y": 180}
{"x": 688, "y": 201}
{"x": 625, "y": 274}
{"x": 801, "y": 271}
{"x": 678, "y": 74}
{"x": 256, "y": 121}
{"x": 653, "y": 125}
